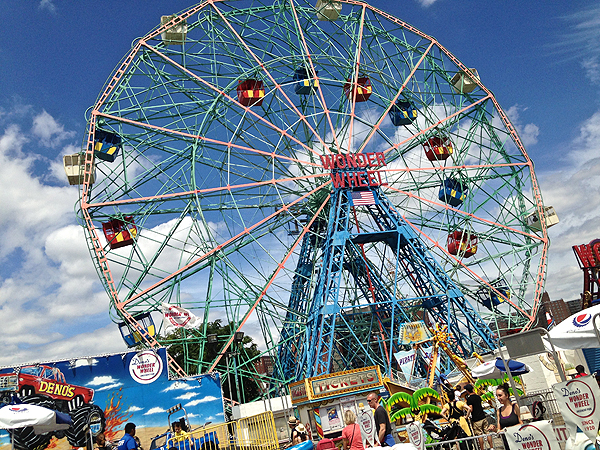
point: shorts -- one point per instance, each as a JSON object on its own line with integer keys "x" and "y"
{"x": 480, "y": 427}
{"x": 388, "y": 441}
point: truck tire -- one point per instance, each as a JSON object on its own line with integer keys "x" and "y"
{"x": 26, "y": 391}
{"x": 26, "y": 439}
{"x": 39, "y": 400}
{"x": 91, "y": 415}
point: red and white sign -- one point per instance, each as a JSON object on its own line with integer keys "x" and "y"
{"x": 176, "y": 317}
{"x": 145, "y": 367}
{"x": 367, "y": 426}
{"x": 534, "y": 436}
{"x": 415, "y": 435}
{"x": 578, "y": 403}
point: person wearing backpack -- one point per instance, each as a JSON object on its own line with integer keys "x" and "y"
{"x": 455, "y": 411}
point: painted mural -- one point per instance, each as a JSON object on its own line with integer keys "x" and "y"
{"x": 103, "y": 393}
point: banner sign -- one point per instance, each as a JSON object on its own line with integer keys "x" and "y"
{"x": 367, "y": 426}
{"x": 298, "y": 392}
{"x": 175, "y": 317}
{"x": 344, "y": 382}
{"x": 578, "y": 403}
{"x": 107, "y": 391}
{"x": 534, "y": 436}
{"x": 413, "y": 333}
{"x": 406, "y": 360}
{"x": 415, "y": 435}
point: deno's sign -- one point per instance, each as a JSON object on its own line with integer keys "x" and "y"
{"x": 145, "y": 367}
{"x": 578, "y": 403}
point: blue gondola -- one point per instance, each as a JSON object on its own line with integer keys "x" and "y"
{"x": 453, "y": 192}
{"x": 489, "y": 297}
{"x": 403, "y": 113}
{"x": 133, "y": 338}
{"x": 305, "y": 85}
{"x": 106, "y": 145}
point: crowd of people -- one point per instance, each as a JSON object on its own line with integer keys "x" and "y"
{"x": 465, "y": 407}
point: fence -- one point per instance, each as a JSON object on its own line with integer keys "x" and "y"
{"x": 546, "y": 398}
{"x": 251, "y": 433}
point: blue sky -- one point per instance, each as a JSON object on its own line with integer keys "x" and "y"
{"x": 541, "y": 60}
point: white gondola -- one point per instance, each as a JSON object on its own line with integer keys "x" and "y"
{"x": 533, "y": 221}
{"x": 328, "y": 9}
{"x": 462, "y": 83}
{"x": 176, "y": 34}
{"x": 75, "y": 169}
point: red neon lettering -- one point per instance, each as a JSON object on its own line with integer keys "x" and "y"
{"x": 360, "y": 176}
{"x": 351, "y": 157}
{"x": 372, "y": 178}
{"x": 584, "y": 252}
{"x": 361, "y": 160}
{"x": 338, "y": 180}
{"x": 352, "y": 179}
{"x": 371, "y": 158}
{"x": 380, "y": 180}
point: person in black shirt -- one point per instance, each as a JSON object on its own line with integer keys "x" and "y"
{"x": 479, "y": 422}
{"x": 383, "y": 426}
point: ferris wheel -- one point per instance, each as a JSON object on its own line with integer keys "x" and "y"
{"x": 318, "y": 174}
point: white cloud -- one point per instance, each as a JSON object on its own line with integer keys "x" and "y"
{"x": 99, "y": 381}
{"x": 208, "y": 398}
{"x": 47, "y": 270}
{"x": 50, "y": 132}
{"x": 528, "y": 132}
{"x": 48, "y": 5}
{"x": 426, "y": 3}
{"x": 84, "y": 362}
{"x": 28, "y": 347}
{"x": 109, "y": 387}
{"x": 134, "y": 409}
{"x": 155, "y": 410}
{"x": 582, "y": 41}
{"x": 574, "y": 191}
{"x": 178, "y": 385}
{"x": 187, "y": 396}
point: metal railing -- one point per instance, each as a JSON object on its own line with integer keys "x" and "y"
{"x": 250, "y": 433}
{"x": 546, "y": 397}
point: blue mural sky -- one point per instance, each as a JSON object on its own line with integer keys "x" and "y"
{"x": 541, "y": 60}
{"x": 147, "y": 404}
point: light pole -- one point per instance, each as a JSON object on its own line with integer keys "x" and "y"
{"x": 238, "y": 337}
{"x": 213, "y": 339}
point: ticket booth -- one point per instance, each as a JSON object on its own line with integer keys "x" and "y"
{"x": 321, "y": 401}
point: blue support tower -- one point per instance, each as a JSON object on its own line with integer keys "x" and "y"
{"x": 352, "y": 316}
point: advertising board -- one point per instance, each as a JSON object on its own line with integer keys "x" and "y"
{"x": 105, "y": 392}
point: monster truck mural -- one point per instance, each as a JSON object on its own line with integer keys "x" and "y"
{"x": 46, "y": 386}
{"x": 108, "y": 391}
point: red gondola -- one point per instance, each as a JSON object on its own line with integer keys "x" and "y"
{"x": 251, "y": 92}
{"x": 120, "y": 233}
{"x": 363, "y": 89}
{"x": 462, "y": 243}
{"x": 438, "y": 148}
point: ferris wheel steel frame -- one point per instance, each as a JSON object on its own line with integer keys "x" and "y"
{"x": 305, "y": 236}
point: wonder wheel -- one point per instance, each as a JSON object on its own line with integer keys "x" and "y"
{"x": 317, "y": 174}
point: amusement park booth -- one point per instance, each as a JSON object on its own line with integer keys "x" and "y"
{"x": 321, "y": 401}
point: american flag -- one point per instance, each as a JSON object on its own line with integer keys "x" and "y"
{"x": 363, "y": 198}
